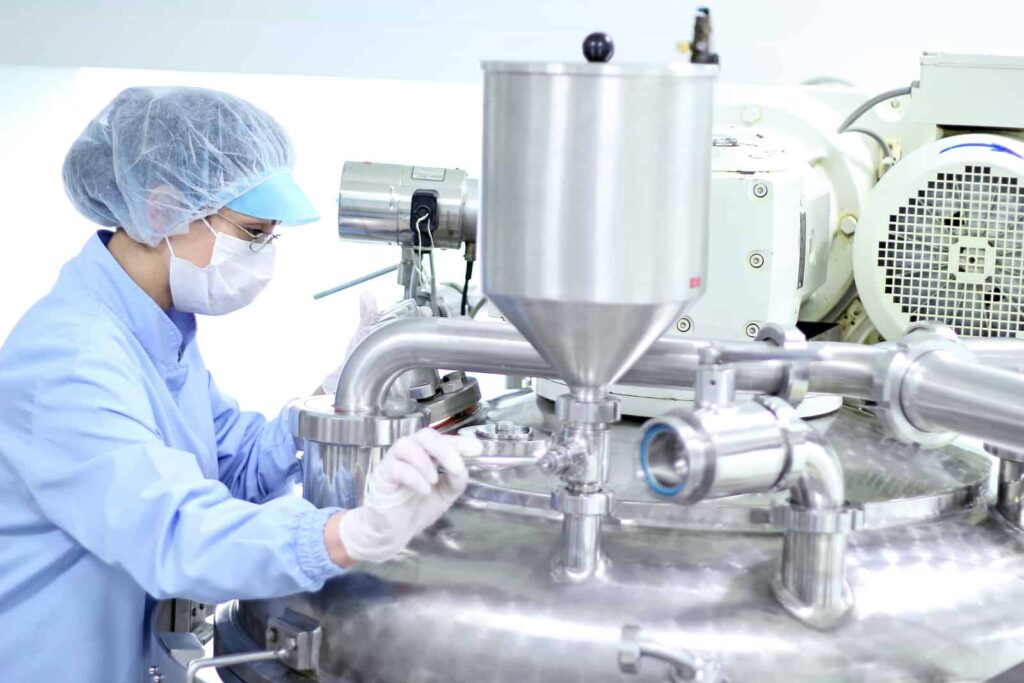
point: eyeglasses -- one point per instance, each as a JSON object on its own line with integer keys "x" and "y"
{"x": 259, "y": 238}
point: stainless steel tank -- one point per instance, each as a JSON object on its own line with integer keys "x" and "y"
{"x": 594, "y": 218}
{"x": 594, "y": 206}
{"x": 936, "y": 579}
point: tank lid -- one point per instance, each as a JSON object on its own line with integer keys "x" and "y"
{"x": 670, "y": 69}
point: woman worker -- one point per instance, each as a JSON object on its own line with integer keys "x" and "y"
{"x": 126, "y": 476}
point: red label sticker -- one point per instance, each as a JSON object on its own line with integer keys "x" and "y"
{"x": 694, "y": 282}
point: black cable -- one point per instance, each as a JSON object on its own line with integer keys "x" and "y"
{"x": 886, "y": 151}
{"x": 465, "y": 288}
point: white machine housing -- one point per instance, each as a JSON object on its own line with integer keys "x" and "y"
{"x": 969, "y": 92}
{"x": 768, "y": 239}
{"x": 768, "y": 250}
{"x": 941, "y": 237}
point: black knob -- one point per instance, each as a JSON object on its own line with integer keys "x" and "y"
{"x": 598, "y": 47}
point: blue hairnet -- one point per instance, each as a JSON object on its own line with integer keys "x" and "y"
{"x": 157, "y": 158}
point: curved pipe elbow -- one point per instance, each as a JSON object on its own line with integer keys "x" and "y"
{"x": 820, "y": 484}
{"x": 436, "y": 343}
{"x": 375, "y": 363}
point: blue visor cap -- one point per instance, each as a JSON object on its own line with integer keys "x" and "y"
{"x": 277, "y": 198}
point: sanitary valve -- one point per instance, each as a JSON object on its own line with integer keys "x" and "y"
{"x": 724, "y": 448}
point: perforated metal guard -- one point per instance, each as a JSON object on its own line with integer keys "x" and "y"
{"x": 955, "y": 253}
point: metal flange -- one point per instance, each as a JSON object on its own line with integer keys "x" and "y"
{"x": 508, "y": 441}
{"x": 314, "y": 419}
{"x": 795, "y": 432}
{"x": 789, "y": 518}
{"x": 891, "y": 370}
{"x": 568, "y": 502}
{"x": 797, "y": 377}
{"x": 571, "y": 410}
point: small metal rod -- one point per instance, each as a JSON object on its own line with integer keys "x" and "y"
{"x": 196, "y": 665}
{"x": 358, "y": 281}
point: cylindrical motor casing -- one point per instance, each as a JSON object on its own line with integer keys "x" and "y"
{"x": 594, "y": 206}
{"x": 375, "y": 202}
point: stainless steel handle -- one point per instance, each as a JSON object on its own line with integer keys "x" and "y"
{"x": 197, "y": 665}
{"x": 683, "y": 665}
{"x": 299, "y": 636}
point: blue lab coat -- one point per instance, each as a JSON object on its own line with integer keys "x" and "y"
{"x": 127, "y": 476}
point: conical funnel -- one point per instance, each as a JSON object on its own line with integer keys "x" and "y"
{"x": 594, "y": 207}
{"x": 590, "y": 344}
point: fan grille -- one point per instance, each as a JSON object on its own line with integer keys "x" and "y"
{"x": 955, "y": 253}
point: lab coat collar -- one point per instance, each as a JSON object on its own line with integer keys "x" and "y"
{"x": 164, "y": 336}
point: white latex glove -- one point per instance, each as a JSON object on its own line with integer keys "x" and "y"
{"x": 406, "y": 494}
{"x": 368, "y": 315}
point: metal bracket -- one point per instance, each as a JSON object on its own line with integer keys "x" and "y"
{"x": 300, "y": 635}
{"x": 292, "y": 639}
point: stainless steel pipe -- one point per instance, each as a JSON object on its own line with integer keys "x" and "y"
{"x": 940, "y": 393}
{"x": 943, "y": 393}
{"x": 811, "y": 579}
{"x": 1007, "y": 353}
{"x": 498, "y": 348}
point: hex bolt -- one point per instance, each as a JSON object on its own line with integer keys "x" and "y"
{"x": 756, "y": 260}
{"x": 684, "y": 325}
{"x": 760, "y": 190}
{"x": 750, "y": 114}
{"x": 752, "y": 329}
{"x": 848, "y": 224}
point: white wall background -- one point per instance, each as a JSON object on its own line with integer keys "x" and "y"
{"x": 345, "y": 80}
{"x": 283, "y": 345}
{"x": 760, "y": 41}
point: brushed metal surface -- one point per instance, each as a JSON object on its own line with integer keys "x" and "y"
{"x": 601, "y": 172}
{"x": 937, "y": 582}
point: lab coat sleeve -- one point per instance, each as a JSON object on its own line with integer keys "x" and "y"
{"x": 98, "y": 468}
{"x": 256, "y": 458}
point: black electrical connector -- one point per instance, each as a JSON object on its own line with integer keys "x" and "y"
{"x": 423, "y": 212}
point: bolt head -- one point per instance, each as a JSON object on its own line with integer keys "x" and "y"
{"x": 750, "y": 114}
{"x": 752, "y": 329}
{"x": 684, "y": 325}
{"x": 848, "y": 224}
{"x": 760, "y": 190}
{"x": 756, "y": 260}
